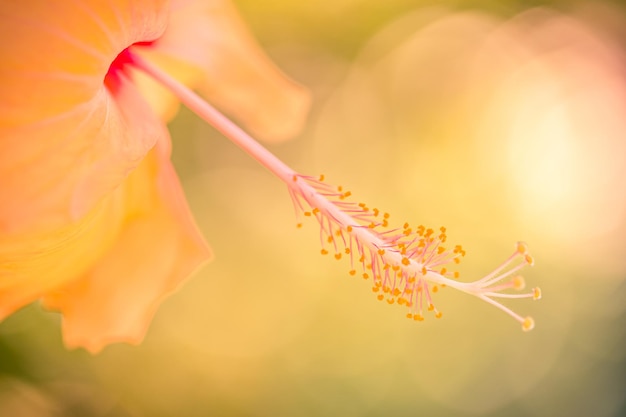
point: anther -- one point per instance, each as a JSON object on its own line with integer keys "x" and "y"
{"x": 518, "y": 282}
{"x": 528, "y": 324}
{"x": 536, "y": 293}
{"x": 522, "y": 248}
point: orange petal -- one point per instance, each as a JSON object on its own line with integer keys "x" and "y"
{"x": 158, "y": 248}
{"x": 65, "y": 140}
{"x": 206, "y": 44}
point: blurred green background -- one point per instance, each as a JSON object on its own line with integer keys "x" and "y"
{"x": 502, "y": 120}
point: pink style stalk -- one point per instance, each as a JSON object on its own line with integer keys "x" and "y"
{"x": 405, "y": 264}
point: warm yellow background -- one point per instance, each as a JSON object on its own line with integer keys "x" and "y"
{"x": 416, "y": 115}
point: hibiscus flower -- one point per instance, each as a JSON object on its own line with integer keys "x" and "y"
{"x": 93, "y": 220}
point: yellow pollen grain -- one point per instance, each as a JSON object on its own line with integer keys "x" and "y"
{"x": 381, "y": 252}
{"x": 316, "y": 210}
{"x": 322, "y": 177}
{"x": 443, "y": 271}
{"x": 299, "y": 225}
{"x": 441, "y": 250}
{"x": 386, "y": 215}
{"x": 424, "y": 270}
{"x": 349, "y": 229}
{"x": 438, "y": 314}
{"x": 324, "y": 252}
{"x": 435, "y": 288}
{"x": 409, "y": 315}
{"x": 352, "y": 272}
{"x": 528, "y": 324}
{"x": 307, "y": 213}
{"x": 431, "y": 307}
{"x": 518, "y": 282}
{"x": 405, "y": 261}
{"x": 380, "y": 297}
{"x": 522, "y": 248}
{"x": 330, "y": 239}
{"x": 390, "y": 300}
{"x": 337, "y": 256}
{"x": 295, "y": 178}
{"x": 536, "y": 293}
{"x": 365, "y": 275}
{"x": 347, "y": 251}
{"x": 457, "y": 274}
{"x": 529, "y": 260}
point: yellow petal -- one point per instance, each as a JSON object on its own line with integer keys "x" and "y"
{"x": 157, "y": 249}
{"x": 65, "y": 140}
{"x": 207, "y": 45}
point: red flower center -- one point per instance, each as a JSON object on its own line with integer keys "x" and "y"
{"x": 118, "y": 67}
